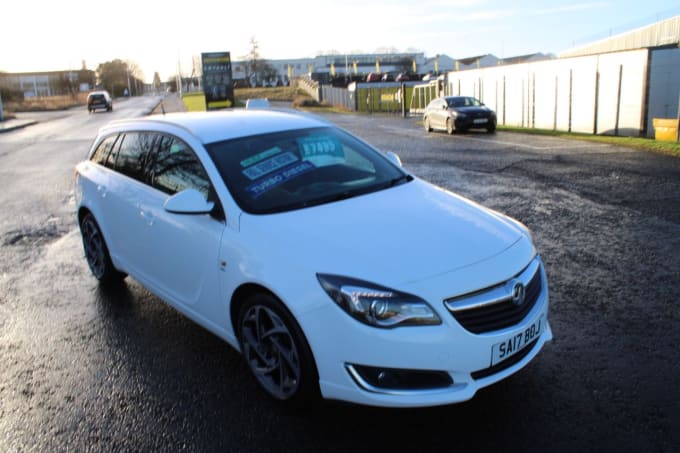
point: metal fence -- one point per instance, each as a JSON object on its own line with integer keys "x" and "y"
{"x": 384, "y": 97}
{"x": 376, "y": 97}
{"x": 599, "y": 94}
{"x": 422, "y": 95}
{"x": 614, "y": 94}
{"x": 338, "y": 97}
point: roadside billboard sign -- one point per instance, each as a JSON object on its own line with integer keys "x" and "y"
{"x": 217, "y": 80}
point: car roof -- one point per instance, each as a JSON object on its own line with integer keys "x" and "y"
{"x": 209, "y": 127}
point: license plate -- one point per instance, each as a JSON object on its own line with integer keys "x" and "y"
{"x": 480, "y": 120}
{"x": 512, "y": 345}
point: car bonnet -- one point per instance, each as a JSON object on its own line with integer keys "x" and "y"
{"x": 395, "y": 236}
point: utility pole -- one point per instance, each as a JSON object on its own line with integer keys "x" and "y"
{"x": 677, "y": 123}
{"x": 346, "y": 67}
{"x": 179, "y": 78}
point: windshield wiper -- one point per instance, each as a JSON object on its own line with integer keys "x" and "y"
{"x": 396, "y": 181}
{"x": 334, "y": 197}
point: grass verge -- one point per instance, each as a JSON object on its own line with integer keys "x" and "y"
{"x": 671, "y": 148}
{"x": 273, "y": 93}
{"x": 45, "y": 103}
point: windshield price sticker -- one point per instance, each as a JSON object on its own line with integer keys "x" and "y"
{"x": 512, "y": 345}
{"x": 260, "y": 157}
{"x": 272, "y": 164}
{"x": 311, "y": 147}
{"x": 272, "y": 181}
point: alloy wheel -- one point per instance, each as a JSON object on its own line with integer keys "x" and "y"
{"x": 270, "y": 351}
{"x": 93, "y": 243}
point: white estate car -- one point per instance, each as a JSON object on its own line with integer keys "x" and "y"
{"x": 330, "y": 268}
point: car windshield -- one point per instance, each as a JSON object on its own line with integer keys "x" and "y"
{"x": 295, "y": 169}
{"x": 463, "y": 101}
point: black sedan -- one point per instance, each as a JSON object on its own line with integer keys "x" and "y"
{"x": 458, "y": 113}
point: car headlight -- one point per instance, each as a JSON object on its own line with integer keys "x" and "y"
{"x": 462, "y": 116}
{"x": 376, "y": 305}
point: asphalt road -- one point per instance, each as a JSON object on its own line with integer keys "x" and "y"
{"x": 86, "y": 369}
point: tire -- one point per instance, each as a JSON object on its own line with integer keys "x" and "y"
{"x": 491, "y": 129}
{"x": 276, "y": 351}
{"x": 428, "y": 127}
{"x": 97, "y": 253}
{"x": 449, "y": 126}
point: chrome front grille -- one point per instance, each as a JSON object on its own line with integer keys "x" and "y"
{"x": 500, "y": 306}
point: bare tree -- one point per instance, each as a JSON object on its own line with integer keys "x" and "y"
{"x": 156, "y": 81}
{"x": 117, "y": 76}
{"x": 134, "y": 70}
{"x": 86, "y": 77}
{"x": 255, "y": 67}
{"x": 250, "y": 59}
{"x": 196, "y": 70}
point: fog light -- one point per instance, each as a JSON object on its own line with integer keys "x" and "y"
{"x": 377, "y": 379}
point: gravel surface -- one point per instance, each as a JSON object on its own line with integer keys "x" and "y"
{"x": 92, "y": 370}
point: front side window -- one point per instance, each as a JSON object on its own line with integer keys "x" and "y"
{"x": 134, "y": 154}
{"x": 177, "y": 168}
{"x": 294, "y": 169}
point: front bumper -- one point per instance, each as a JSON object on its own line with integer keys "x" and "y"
{"x": 341, "y": 346}
{"x": 469, "y": 123}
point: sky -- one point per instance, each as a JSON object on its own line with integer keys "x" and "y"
{"x": 46, "y": 35}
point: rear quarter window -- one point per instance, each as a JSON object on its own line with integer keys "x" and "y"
{"x": 102, "y": 152}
